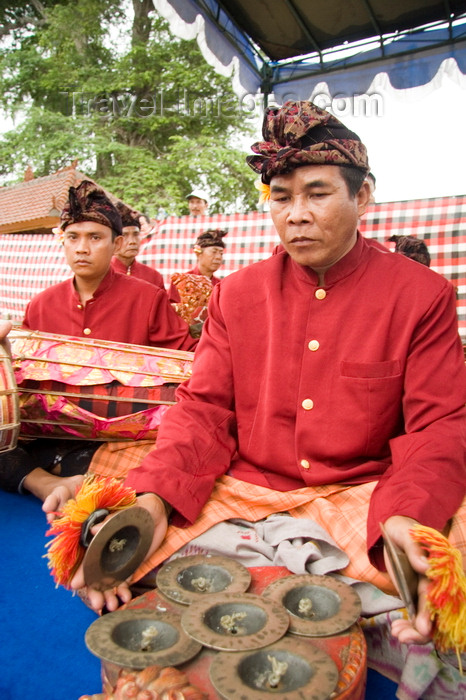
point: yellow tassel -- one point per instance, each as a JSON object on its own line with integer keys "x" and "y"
{"x": 446, "y": 593}
{"x": 65, "y": 552}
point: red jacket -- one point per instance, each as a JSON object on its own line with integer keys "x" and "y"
{"x": 295, "y": 385}
{"x": 123, "y": 309}
{"x": 140, "y": 271}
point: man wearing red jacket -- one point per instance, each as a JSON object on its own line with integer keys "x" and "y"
{"x": 329, "y": 381}
{"x": 209, "y": 248}
{"x": 96, "y": 302}
{"x": 124, "y": 260}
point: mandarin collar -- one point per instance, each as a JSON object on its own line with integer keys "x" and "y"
{"x": 343, "y": 268}
{"x": 103, "y": 286}
{"x": 118, "y": 266}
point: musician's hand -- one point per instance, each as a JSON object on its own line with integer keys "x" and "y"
{"x": 66, "y": 489}
{"x": 112, "y": 598}
{"x": 418, "y": 630}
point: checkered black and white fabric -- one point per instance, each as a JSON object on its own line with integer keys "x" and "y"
{"x": 31, "y": 262}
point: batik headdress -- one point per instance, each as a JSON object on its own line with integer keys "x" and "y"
{"x": 129, "y": 217}
{"x": 212, "y": 237}
{"x": 300, "y": 133}
{"x": 88, "y": 202}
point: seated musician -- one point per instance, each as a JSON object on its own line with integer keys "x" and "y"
{"x": 96, "y": 302}
{"x": 208, "y": 248}
{"x": 124, "y": 260}
{"x": 329, "y": 381}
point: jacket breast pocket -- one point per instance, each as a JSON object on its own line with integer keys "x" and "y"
{"x": 371, "y": 370}
{"x": 374, "y": 392}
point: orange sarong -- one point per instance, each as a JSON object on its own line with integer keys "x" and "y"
{"x": 339, "y": 510}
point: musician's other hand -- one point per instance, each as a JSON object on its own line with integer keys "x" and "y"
{"x": 64, "y": 489}
{"x": 114, "y": 597}
{"x": 419, "y": 629}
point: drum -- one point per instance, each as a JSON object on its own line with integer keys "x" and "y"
{"x": 9, "y": 404}
{"x": 93, "y": 389}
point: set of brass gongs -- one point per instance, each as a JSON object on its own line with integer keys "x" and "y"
{"x": 258, "y": 641}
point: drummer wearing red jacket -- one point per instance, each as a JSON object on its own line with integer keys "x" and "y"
{"x": 96, "y": 302}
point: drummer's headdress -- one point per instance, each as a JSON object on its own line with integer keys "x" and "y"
{"x": 129, "y": 217}
{"x": 210, "y": 237}
{"x": 88, "y": 202}
{"x": 300, "y": 133}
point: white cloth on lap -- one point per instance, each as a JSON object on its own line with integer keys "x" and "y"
{"x": 301, "y": 546}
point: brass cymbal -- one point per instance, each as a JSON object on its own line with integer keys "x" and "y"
{"x": 235, "y": 621}
{"x": 406, "y": 579}
{"x": 289, "y": 669}
{"x": 139, "y": 638}
{"x": 187, "y": 579}
{"x": 319, "y": 606}
{"x": 116, "y": 551}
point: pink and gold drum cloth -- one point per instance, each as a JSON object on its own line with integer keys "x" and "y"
{"x": 93, "y": 389}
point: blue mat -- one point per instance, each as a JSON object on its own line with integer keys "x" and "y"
{"x": 42, "y": 651}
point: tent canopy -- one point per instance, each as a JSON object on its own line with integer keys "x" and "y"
{"x": 287, "y": 46}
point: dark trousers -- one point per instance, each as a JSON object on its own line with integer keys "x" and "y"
{"x": 73, "y": 456}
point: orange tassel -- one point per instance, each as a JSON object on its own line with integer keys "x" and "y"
{"x": 65, "y": 552}
{"x": 446, "y": 594}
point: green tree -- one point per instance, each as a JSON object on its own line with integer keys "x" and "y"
{"x": 107, "y": 84}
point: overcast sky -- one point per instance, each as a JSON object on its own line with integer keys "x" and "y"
{"x": 417, "y": 146}
{"x": 415, "y": 138}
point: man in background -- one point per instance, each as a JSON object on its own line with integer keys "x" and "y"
{"x": 198, "y": 203}
{"x": 208, "y": 248}
{"x": 124, "y": 260}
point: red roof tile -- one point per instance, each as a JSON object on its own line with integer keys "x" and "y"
{"x": 36, "y": 203}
